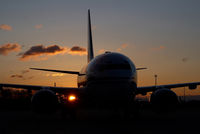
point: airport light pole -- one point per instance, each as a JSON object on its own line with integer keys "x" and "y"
{"x": 184, "y": 94}
{"x": 156, "y": 76}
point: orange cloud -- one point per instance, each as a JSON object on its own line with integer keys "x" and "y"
{"x": 101, "y": 51}
{"x": 119, "y": 49}
{"x": 40, "y": 50}
{"x": 10, "y": 47}
{"x": 158, "y": 48}
{"x": 39, "y": 26}
{"x": 77, "y": 50}
{"x": 55, "y": 75}
{"x": 5, "y": 27}
{"x": 123, "y": 46}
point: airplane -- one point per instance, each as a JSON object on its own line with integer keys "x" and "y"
{"x": 108, "y": 81}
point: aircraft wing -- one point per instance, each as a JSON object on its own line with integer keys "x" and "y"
{"x": 62, "y": 90}
{"x": 144, "y": 90}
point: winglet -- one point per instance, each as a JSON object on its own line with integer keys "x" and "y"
{"x": 90, "y": 44}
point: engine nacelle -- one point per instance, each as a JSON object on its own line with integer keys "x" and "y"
{"x": 164, "y": 99}
{"x": 44, "y": 101}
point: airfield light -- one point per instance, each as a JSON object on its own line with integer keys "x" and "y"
{"x": 71, "y": 98}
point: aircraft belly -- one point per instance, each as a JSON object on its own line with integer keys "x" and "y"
{"x": 110, "y": 94}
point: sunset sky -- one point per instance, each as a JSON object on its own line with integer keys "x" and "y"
{"x": 162, "y": 35}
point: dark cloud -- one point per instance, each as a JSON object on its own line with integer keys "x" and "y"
{"x": 31, "y": 77}
{"x": 16, "y": 76}
{"x": 10, "y": 47}
{"x": 25, "y": 71}
{"x": 22, "y": 75}
{"x": 77, "y": 50}
{"x": 40, "y": 50}
{"x": 185, "y": 59}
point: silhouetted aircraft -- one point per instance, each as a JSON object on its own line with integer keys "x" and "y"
{"x": 109, "y": 81}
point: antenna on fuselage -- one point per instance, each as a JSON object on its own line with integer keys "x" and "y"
{"x": 90, "y": 44}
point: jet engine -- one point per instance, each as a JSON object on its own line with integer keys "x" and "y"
{"x": 164, "y": 100}
{"x": 44, "y": 101}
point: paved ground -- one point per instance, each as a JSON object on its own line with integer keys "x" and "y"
{"x": 23, "y": 122}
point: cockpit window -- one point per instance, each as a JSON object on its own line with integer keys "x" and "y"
{"x": 114, "y": 67}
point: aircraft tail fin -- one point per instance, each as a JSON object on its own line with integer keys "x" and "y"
{"x": 90, "y": 44}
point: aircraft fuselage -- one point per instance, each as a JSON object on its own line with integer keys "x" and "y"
{"x": 108, "y": 67}
{"x": 109, "y": 77}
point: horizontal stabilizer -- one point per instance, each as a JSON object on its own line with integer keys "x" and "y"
{"x": 141, "y": 68}
{"x": 59, "y": 71}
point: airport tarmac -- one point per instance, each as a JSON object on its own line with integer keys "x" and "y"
{"x": 25, "y": 121}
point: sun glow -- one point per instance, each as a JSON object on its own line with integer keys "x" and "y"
{"x": 72, "y": 98}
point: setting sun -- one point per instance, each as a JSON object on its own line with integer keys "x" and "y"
{"x": 72, "y": 98}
